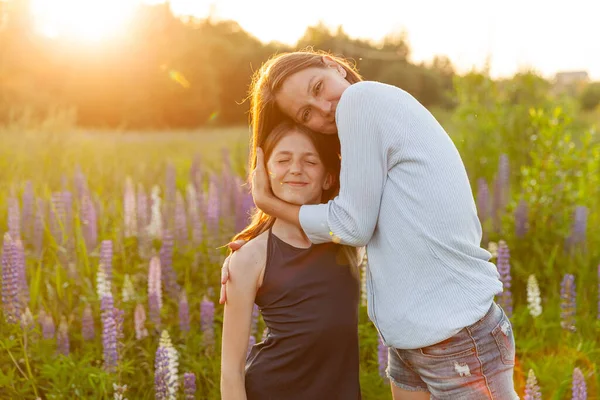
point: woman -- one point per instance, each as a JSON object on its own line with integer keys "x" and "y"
{"x": 404, "y": 193}
{"x": 308, "y": 294}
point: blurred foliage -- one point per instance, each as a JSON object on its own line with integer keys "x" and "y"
{"x": 590, "y": 96}
{"x": 169, "y": 72}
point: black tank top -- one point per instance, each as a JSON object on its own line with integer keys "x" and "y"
{"x": 310, "y": 306}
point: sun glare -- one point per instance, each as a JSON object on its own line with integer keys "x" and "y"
{"x": 82, "y": 19}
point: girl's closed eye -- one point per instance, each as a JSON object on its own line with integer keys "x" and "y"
{"x": 306, "y": 115}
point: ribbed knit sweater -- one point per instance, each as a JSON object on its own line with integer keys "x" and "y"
{"x": 405, "y": 194}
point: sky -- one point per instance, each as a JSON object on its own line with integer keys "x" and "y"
{"x": 546, "y": 36}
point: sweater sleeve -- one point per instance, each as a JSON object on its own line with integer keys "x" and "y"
{"x": 351, "y": 217}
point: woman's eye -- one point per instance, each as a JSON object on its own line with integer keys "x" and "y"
{"x": 318, "y": 87}
{"x": 311, "y": 162}
{"x": 282, "y": 161}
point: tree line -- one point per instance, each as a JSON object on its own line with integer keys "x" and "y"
{"x": 170, "y": 72}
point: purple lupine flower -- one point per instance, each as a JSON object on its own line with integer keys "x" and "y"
{"x": 382, "y": 356}
{"x": 501, "y": 191}
{"x": 171, "y": 379}
{"x": 14, "y": 218}
{"x": 503, "y": 261}
{"x": 170, "y": 190}
{"x": 67, "y": 199}
{"x": 109, "y": 333}
{"x": 99, "y": 208}
{"x": 80, "y": 183}
{"x": 62, "y": 337}
{"x": 154, "y": 291}
{"x": 578, "y": 233}
{"x": 251, "y": 343}
{"x": 48, "y": 328}
{"x": 244, "y": 209}
{"x": 27, "y": 214}
{"x": 156, "y": 218}
{"x": 254, "y": 321}
{"x": 19, "y": 265}
{"x": 10, "y": 281}
{"x": 194, "y": 215}
{"x": 579, "y": 386}
{"x": 483, "y": 200}
{"x": 213, "y": 208}
{"x": 106, "y": 258}
{"x": 89, "y": 222}
{"x": 184, "y": 313}
{"x": 38, "y": 226}
{"x": 143, "y": 220}
{"x": 155, "y": 279}
{"x": 161, "y": 374}
{"x": 166, "y": 263}
{"x": 87, "y": 324}
{"x": 196, "y": 173}
{"x": 140, "y": 322}
{"x": 521, "y": 218}
{"x": 207, "y": 316}
{"x": 181, "y": 228}
{"x": 119, "y": 317}
{"x": 568, "y": 302}
{"x": 57, "y": 215}
{"x": 532, "y": 390}
{"x": 129, "y": 209}
{"x": 189, "y": 386}
{"x": 226, "y": 187}
{"x": 154, "y": 308}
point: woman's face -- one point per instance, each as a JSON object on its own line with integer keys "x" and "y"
{"x": 296, "y": 172}
{"x": 310, "y": 96}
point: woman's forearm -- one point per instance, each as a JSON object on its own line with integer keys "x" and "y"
{"x": 233, "y": 386}
{"x": 280, "y": 209}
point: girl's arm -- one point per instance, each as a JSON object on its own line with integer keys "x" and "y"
{"x": 244, "y": 271}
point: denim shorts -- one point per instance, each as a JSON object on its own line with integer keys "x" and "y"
{"x": 476, "y": 363}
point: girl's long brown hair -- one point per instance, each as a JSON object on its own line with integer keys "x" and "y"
{"x": 328, "y": 148}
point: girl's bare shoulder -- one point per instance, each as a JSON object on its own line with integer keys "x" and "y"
{"x": 251, "y": 257}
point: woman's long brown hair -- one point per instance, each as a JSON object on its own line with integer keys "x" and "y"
{"x": 267, "y": 81}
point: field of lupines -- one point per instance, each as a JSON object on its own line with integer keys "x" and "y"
{"x": 111, "y": 256}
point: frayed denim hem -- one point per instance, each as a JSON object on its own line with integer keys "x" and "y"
{"x": 406, "y": 387}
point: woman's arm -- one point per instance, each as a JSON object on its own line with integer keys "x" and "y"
{"x": 244, "y": 271}
{"x": 351, "y": 217}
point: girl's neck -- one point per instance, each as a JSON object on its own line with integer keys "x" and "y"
{"x": 290, "y": 233}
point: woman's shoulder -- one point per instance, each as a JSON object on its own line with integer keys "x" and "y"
{"x": 371, "y": 89}
{"x": 372, "y": 98}
{"x": 251, "y": 257}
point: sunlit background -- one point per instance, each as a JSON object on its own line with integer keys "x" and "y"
{"x": 549, "y": 36}
{"x": 124, "y": 138}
